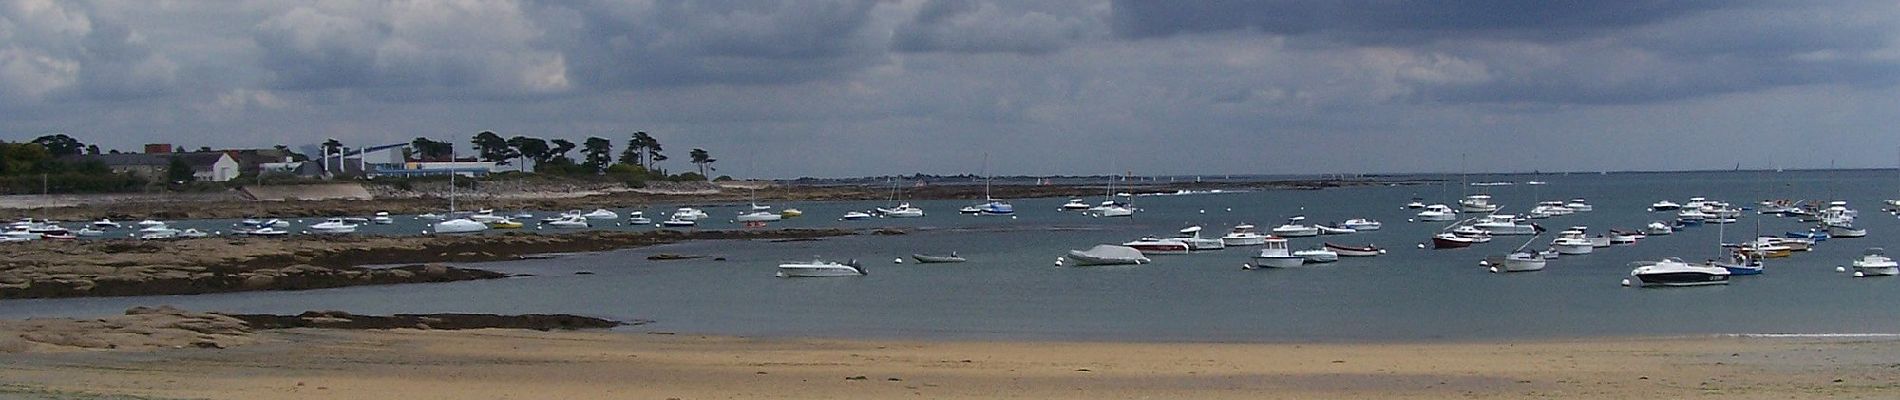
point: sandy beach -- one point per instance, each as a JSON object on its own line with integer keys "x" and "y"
{"x": 493, "y": 364}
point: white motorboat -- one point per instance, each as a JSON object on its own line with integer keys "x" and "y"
{"x": 1451, "y": 240}
{"x": 154, "y": 228}
{"x": 1664, "y": 205}
{"x": 567, "y": 214}
{"x": 266, "y": 232}
{"x": 1619, "y": 236}
{"x": 1334, "y": 230}
{"x": 601, "y": 213}
{"x": 1523, "y": 261}
{"x": 1318, "y": 255}
{"x": 855, "y": 215}
{"x": 569, "y": 223}
{"x": 1243, "y": 235}
{"x": 1274, "y": 254}
{"x": 1845, "y": 231}
{"x": 1875, "y": 263}
{"x": 688, "y": 214}
{"x": 1105, "y": 254}
{"x": 758, "y": 216}
{"x": 1572, "y": 242}
{"x": 487, "y": 217}
{"x": 820, "y": 268}
{"x": 1110, "y": 209}
{"x": 1657, "y": 228}
{"x": 89, "y": 232}
{"x": 1477, "y": 203}
{"x": 1437, "y": 213}
{"x": 333, "y": 225}
{"x": 1157, "y": 246}
{"x": 460, "y": 225}
{"x": 1416, "y": 203}
{"x": 970, "y": 210}
{"x": 150, "y": 223}
{"x": 192, "y": 233}
{"x": 1505, "y": 225}
{"x": 1355, "y": 251}
{"x": 1673, "y": 272}
{"x": 995, "y": 207}
{"x": 1074, "y": 205}
{"x": 382, "y": 218}
{"x": 676, "y": 222}
{"x": 1552, "y": 208}
{"x": 20, "y": 234}
{"x": 105, "y": 223}
{"x": 159, "y": 235}
{"x": 637, "y": 221}
{"x": 1579, "y": 205}
{"x": 903, "y": 210}
{"x": 1295, "y": 228}
{"x": 1467, "y": 231}
{"x": 430, "y": 217}
{"x": 1192, "y": 236}
{"x": 1362, "y": 224}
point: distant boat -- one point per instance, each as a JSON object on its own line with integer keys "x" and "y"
{"x": 1294, "y": 227}
{"x": 601, "y": 213}
{"x": 1450, "y": 240}
{"x": 1875, "y": 263}
{"x": 934, "y": 259}
{"x": 1106, "y": 254}
{"x": 1317, "y": 255}
{"x": 820, "y": 268}
{"x": 1243, "y": 235}
{"x": 1192, "y": 236}
{"x": 1355, "y": 251}
{"x": 1157, "y": 246}
{"x": 1276, "y": 255}
{"x": 1674, "y": 272}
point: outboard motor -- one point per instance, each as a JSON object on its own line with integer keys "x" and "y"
{"x": 854, "y": 265}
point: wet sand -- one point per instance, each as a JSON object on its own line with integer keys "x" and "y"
{"x": 411, "y": 364}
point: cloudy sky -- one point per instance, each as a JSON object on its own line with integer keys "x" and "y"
{"x": 845, "y": 88}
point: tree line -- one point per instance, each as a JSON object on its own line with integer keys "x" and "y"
{"x": 42, "y": 166}
{"x": 640, "y": 158}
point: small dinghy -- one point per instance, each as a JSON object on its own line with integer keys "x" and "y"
{"x": 935, "y": 259}
{"x": 1355, "y": 251}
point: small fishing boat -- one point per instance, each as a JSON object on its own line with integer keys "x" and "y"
{"x": 333, "y": 226}
{"x": 1818, "y": 235}
{"x": 1243, "y": 235}
{"x": 1105, "y": 254}
{"x": 382, "y": 218}
{"x": 1657, "y": 228}
{"x": 1355, "y": 251}
{"x": 105, "y": 223}
{"x": 1505, "y": 225}
{"x": 1739, "y": 264}
{"x": 1448, "y": 240}
{"x": 855, "y": 216}
{"x": 1522, "y": 261}
{"x": 1111, "y": 209}
{"x": 1673, "y": 272}
{"x": 430, "y": 217}
{"x": 1477, "y": 203}
{"x": 1295, "y": 228}
{"x": 1436, "y": 213}
{"x": 970, "y": 210}
{"x": 1417, "y": 203}
{"x": 89, "y": 232}
{"x": 266, "y": 232}
{"x": 1845, "y": 231}
{"x": 1572, "y": 242}
{"x": 791, "y": 213}
{"x": 636, "y": 221}
{"x": 677, "y": 222}
{"x": 601, "y": 213}
{"x": 1334, "y": 230}
{"x": 688, "y": 214}
{"x": 1074, "y": 205}
{"x": 192, "y": 233}
{"x": 1619, "y": 236}
{"x": 1276, "y": 255}
{"x": 150, "y": 223}
{"x": 1578, "y": 205}
{"x": 1875, "y": 263}
{"x": 935, "y": 259}
{"x": 820, "y": 268}
{"x": 487, "y": 216}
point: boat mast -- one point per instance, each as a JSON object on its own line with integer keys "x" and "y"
{"x": 987, "y": 178}
{"x": 451, "y": 180}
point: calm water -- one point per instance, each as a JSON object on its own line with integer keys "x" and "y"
{"x": 1011, "y": 290}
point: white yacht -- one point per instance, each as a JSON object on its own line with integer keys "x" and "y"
{"x": 105, "y": 223}
{"x": 903, "y": 210}
{"x": 460, "y": 225}
{"x": 1658, "y": 228}
{"x": 1437, "y": 213}
{"x": 1362, "y": 224}
{"x": 1477, "y": 203}
{"x": 1552, "y": 208}
{"x": 333, "y": 225}
{"x": 1664, "y": 205}
{"x": 1673, "y": 272}
{"x": 1523, "y": 261}
{"x": 1875, "y": 263}
{"x": 1075, "y": 204}
{"x": 688, "y": 214}
{"x": 1505, "y": 225}
{"x": 1243, "y": 235}
{"x": 1295, "y": 227}
{"x": 1578, "y": 205}
{"x": 1192, "y": 236}
{"x": 382, "y": 218}
{"x": 1416, "y": 203}
{"x": 820, "y": 268}
{"x": 758, "y": 216}
{"x": 1572, "y": 242}
{"x": 572, "y": 222}
{"x": 1110, "y": 209}
{"x": 1276, "y": 255}
{"x": 637, "y": 218}
{"x": 601, "y": 213}
{"x": 855, "y": 216}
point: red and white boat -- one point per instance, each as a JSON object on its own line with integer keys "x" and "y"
{"x": 1451, "y": 241}
{"x": 1355, "y": 251}
{"x": 1158, "y": 246}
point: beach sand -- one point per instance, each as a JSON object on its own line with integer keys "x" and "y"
{"x": 496, "y": 364}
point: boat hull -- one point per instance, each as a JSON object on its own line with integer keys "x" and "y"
{"x": 1244, "y": 240}
{"x": 1448, "y": 243}
{"x": 1573, "y": 249}
{"x": 1675, "y": 279}
{"x": 1350, "y": 251}
{"x": 1877, "y": 271}
{"x": 1286, "y": 261}
{"x": 786, "y": 271}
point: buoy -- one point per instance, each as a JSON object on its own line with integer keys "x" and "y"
{"x": 1246, "y": 266}
{"x": 1012, "y": 217}
{"x": 1484, "y": 263}
{"x": 1382, "y": 251}
{"x": 1421, "y": 245}
{"x": 1626, "y": 282}
{"x": 1840, "y": 269}
{"x": 899, "y": 260}
{"x": 1494, "y": 270}
{"x": 1203, "y": 211}
{"x": 1230, "y": 209}
{"x": 1858, "y": 274}
{"x": 1058, "y": 261}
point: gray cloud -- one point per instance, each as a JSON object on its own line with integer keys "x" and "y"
{"x": 970, "y": 26}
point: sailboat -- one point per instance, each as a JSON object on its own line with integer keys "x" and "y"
{"x": 759, "y": 213}
{"x": 1736, "y": 262}
{"x": 457, "y": 224}
{"x": 991, "y": 205}
{"x": 1110, "y": 207}
{"x": 902, "y": 210}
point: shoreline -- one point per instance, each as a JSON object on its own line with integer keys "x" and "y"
{"x": 486, "y": 363}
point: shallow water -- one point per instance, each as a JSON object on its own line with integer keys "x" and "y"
{"x": 1011, "y": 290}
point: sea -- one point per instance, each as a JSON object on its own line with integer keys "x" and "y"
{"x": 1012, "y": 289}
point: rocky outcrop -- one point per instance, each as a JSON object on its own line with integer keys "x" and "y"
{"x": 126, "y": 267}
{"x": 146, "y": 328}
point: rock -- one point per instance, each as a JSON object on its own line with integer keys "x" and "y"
{"x": 259, "y": 282}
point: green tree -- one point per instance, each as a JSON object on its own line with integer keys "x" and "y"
{"x": 179, "y": 170}
{"x": 60, "y": 145}
{"x": 597, "y": 152}
{"x": 531, "y": 148}
{"x": 635, "y": 153}
{"x": 92, "y": 149}
{"x": 430, "y": 150}
{"x": 491, "y": 147}
{"x": 703, "y": 160}
{"x": 559, "y": 153}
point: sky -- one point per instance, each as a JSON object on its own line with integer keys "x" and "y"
{"x": 860, "y": 88}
